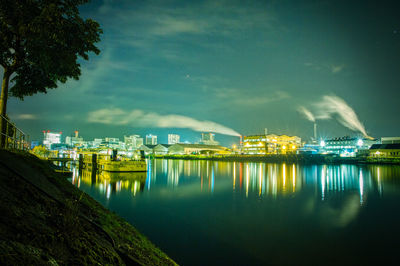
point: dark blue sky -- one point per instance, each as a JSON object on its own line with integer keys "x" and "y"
{"x": 244, "y": 65}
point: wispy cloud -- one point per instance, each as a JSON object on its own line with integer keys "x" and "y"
{"x": 140, "y": 118}
{"x": 241, "y": 98}
{"x": 160, "y": 28}
{"x": 25, "y": 117}
{"x": 334, "y": 69}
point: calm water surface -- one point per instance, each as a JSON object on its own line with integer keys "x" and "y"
{"x": 213, "y": 213}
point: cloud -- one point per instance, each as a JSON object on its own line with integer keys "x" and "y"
{"x": 336, "y": 69}
{"x": 241, "y": 97}
{"x": 139, "y": 118}
{"x": 159, "y": 28}
{"x": 25, "y": 117}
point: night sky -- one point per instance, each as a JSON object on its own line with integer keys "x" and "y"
{"x": 244, "y": 65}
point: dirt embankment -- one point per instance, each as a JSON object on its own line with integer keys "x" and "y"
{"x": 46, "y": 220}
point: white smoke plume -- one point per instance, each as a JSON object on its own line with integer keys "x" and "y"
{"x": 139, "y": 118}
{"x": 306, "y": 113}
{"x": 334, "y": 107}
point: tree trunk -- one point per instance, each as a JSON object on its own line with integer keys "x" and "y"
{"x": 3, "y": 106}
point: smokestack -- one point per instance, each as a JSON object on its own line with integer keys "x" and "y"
{"x": 315, "y": 131}
{"x": 76, "y": 133}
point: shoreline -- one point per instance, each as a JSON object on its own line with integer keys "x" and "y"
{"x": 45, "y": 219}
{"x": 318, "y": 159}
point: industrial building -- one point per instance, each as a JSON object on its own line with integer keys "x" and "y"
{"x": 347, "y": 146}
{"x": 208, "y": 139}
{"x": 270, "y": 144}
{"x": 161, "y": 149}
{"x": 196, "y": 149}
{"x": 390, "y": 140}
{"x": 385, "y": 151}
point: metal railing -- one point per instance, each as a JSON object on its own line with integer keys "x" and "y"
{"x": 11, "y": 137}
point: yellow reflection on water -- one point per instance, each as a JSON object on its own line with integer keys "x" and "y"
{"x": 251, "y": 179}
{"x": 112, "y": 182}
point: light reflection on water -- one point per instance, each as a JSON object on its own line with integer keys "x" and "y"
{"x": 248, "y": 207}
{"x": 264, "y": 180}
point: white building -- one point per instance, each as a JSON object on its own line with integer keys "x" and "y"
{"x": 390, "y": 140}
{"x": 74, "y": 140}
{"x": 151, "y": 139}
{"x": 113, "y": 143}
{"x": 133, "y": 141}
{"x": 173, "y": 138}
{"x": 50, "y": 138}
{"x": 347, "y": 146}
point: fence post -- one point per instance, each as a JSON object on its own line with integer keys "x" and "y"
{"x": 6, "y": 136}
{"x": 14, "y": 138}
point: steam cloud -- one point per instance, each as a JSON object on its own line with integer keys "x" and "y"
{"x": 307, "y": 113}
{"x": 139, "y": 118}
{"x": 335, "y": 107}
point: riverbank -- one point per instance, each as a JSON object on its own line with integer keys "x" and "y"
{"x": 46, "y": 220}
{"x": 285, "y": 158}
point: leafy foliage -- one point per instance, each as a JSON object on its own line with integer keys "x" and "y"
{"x": 41, "y": 41}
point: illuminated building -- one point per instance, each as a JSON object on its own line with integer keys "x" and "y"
{"x": 270, "y": 144}
{"x": 173, "y": 138}
{"x": 133, "y": 141}
{"x": 385, "y": 151}
{"x": 390, "y": 140}
{"x": 75, "y": 140}
{"x": 208, "y": 139}
{"x": 151, "y": 139}
{"x": 96, "y": 143}
{"x": 346, "y": 146}
{"x": 50, "y": 138}
{"x": 196, "y": 149}
{"x": 113, "y": 143}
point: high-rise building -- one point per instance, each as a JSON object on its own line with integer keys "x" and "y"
{"x": 173, "y": 138}
{"x": 151, "y": 139}
{"x": 50, "y": 138}
{"x": 133, "y": 141}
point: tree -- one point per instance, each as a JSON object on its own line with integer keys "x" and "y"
{"x": 40, "y": 44}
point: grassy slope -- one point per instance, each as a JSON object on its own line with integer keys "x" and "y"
{"x": 46, "y": 220}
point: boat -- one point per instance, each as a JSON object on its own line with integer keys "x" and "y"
{"x": 123, "y": 165}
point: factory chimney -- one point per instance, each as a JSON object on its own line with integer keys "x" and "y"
{"x": 315, "y": 131}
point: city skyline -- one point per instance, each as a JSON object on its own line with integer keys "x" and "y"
{"x": 245, "y": 67}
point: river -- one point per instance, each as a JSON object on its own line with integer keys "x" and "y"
{"x": 227, "y": 213}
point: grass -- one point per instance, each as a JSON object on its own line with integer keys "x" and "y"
{"x": 46, "y": 220}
